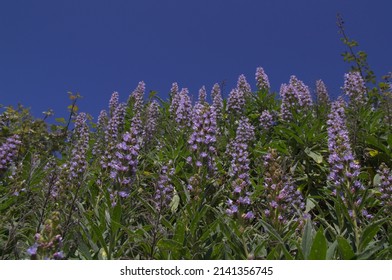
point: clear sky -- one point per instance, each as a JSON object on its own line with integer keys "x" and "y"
{"x": 95, "y": 47}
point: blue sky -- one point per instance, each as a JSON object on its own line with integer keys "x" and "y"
{"x": 48, "y": 47}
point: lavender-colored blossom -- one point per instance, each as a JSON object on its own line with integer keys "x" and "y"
{"x": 262, "y": 81}
{"x": 9, "y": 151}
{"x": 113, "y": 103}
{"x": 217, "y": 101}
{"x": 296, "y": 98}
{"x": 32, "y": 251}
{"x": 101, "y": 128}
{"x": 355, "y": 88}
{"x": 112, "y": 134}
{"x": 282, "y": 200}
{"x": 78, "y": 161}
{"x": 239, "y": 171}
{"x": 184, "y": 110}
{"x": 322, "y": 93}
{"x": 290, "y": 97}
{"x": 124, "y": 162}
{"x": 138, "y": 97}
{"x": 344, "y": 170}
{"x": 304, "y": 96}
{"x": 266, "y": 120}
{"x": 243, "y": 85}
{"x": 164, "y": 190}
{"x": 203, "y": 138}
{"x": 175, "y": 100}
{"x": 202, "y": 95}
{"x": 341, "y": 158}
{"x": 385, "y": 187}
{"x": 152, "y": 119}
{"x": 236, "y": 102}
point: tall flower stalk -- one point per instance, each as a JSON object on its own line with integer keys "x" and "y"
{"x": 344, "y": 172}
{"x": 238, "y": 151}
{"x": 282, "y": 202}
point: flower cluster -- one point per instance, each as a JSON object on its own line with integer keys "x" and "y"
{"x": 341, "y": 158}
{"x": 125, "y": 160}
{"x": 322, "y": 93}
{"x": 344, "y": 171}
{"x": 217, "y": 101}
{"x": 151, "y": 123}
{"x": 239, "y": 171}
{"x": 164, "y": 189}
{"x": 113, "y": 103}
{"x": 295, "y": 98}
{"x": 48, "y": 242}
{"x": 175, "y": 100}
{"x": 304, "y": 97}
{"x": 385, "y": 187}
{"x": 354, "y": 87}
{"x": 112, "y": 133}
{"x": 262, "y": 81}
{"x": 184, "y": 110}
{"x": 267, "y": 120}
{"x": 101, "y": 128}
{"x": 283, "y": 202}
{"x": 9, "y": 151}
{"x": 236, "y": 102}
{"x": 78, "y": 162}
{"x": 137, "y": 96}
{"x": 203, "y": 138}
{"x": 202, "y": 95}
{"x": 243, "y": 85}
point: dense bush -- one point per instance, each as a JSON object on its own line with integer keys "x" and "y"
{"x": 255, "y": 176}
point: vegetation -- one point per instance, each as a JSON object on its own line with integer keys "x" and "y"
{"x": 259, "y": 175}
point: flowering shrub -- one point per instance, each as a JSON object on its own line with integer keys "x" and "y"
{"x": 243, "y": 177}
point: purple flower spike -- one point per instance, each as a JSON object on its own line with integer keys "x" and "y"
{"x": 262, "y": 81}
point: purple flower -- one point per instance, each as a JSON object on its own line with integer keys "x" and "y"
{"x": 262, "y": 81}
{"x": 137, "y": 96}
{"x": 113, "y": 103}
{"x": 32, "y": 251}
{"x": 164, "y": 190}
{"x": 9, "y": 151}
{"x": 112, "y": 134}
{"x": 385, "y": 187}
{"x": 243, "y": 85}
{"x": 78, "y": 162}
{"x": 296, "y": 98}
{"x": 237, "y": 150}
{"x": 283, "y": 201}
{"x": 203, "y": 138}
{"x": 304, "y": 97}
{"x": 355, "y": 88}
{"x": 217, "y": 101}
{"x": 322, "y": 93}
{"x": 152, "y": 119}
{"x": 344, "y": 171}
{"x": 184, "y": 110}
{"x": 175, "y": 100}
{"x": 266, "y": 120}
{"x": 236, "y": 102}
{"x": 202, "y": 95}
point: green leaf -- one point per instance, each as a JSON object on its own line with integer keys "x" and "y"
{"x": 345, "y": 248}
{"x": 368, "y": 234}
{"x": 60, "y": 120}
{"x": 331, "y": 250}
{"x": 175, "y": 202}
{"x": 318, "y": 158}
{"x": 307, "y": 239}
{"x": 319, "y": 246}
